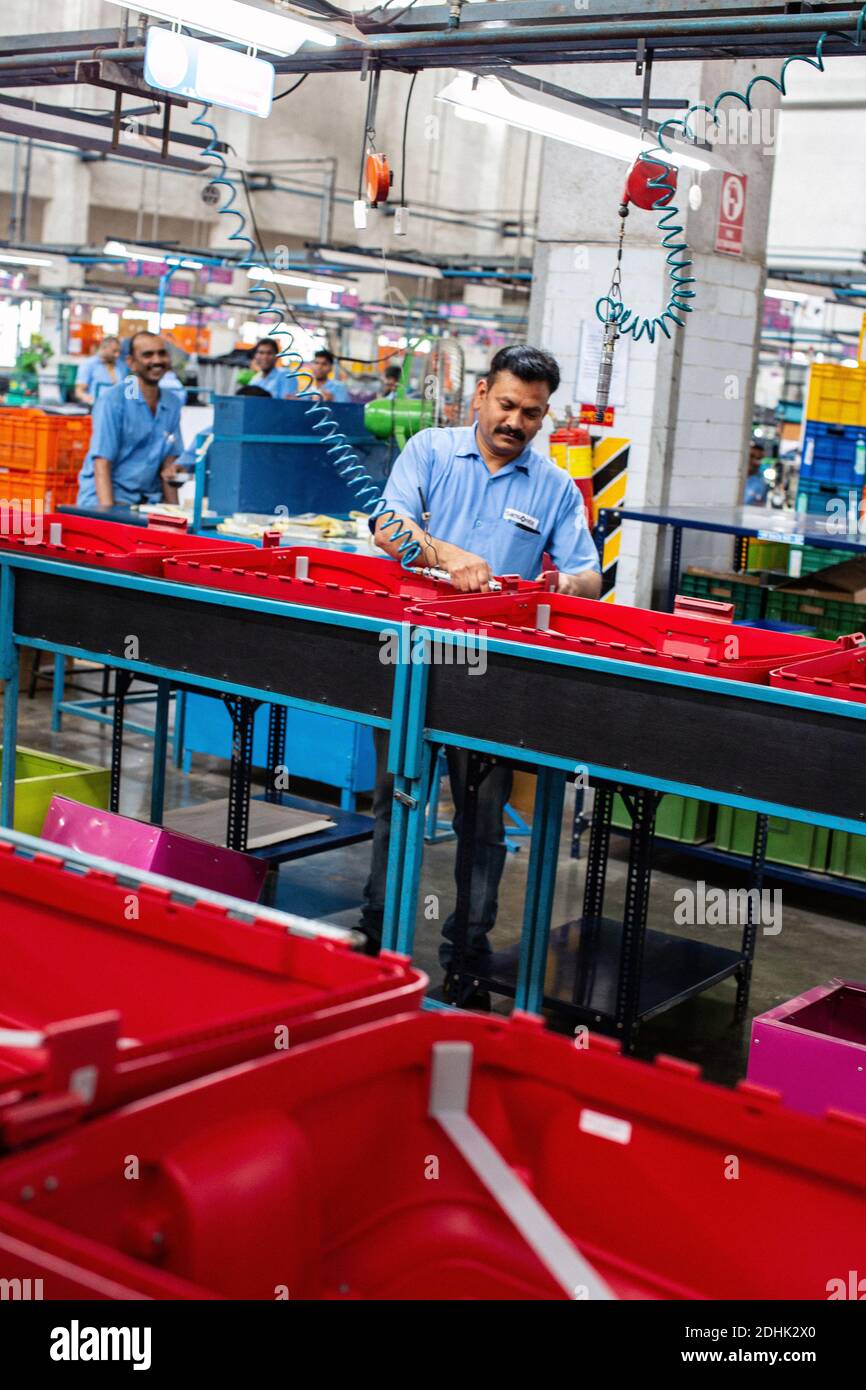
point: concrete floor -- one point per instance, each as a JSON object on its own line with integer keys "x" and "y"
{"x": 823, "y": 935}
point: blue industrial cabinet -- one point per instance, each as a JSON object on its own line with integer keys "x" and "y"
{"x": 337, "y": 752}
{"x": 266, "y": 454}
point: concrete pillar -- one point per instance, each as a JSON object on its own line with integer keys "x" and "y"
{"x": 65, "y": 219}
{"x": 688, "y": 401}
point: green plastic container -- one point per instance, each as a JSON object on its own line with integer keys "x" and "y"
{"x": 678, "y": 818}
{"x": 744, "y": 592}
{"x": 830, "y": 618}
{"x": 847, "y": 855}
{"x": 792, "y": 842}
{"x": 40, "y": 776}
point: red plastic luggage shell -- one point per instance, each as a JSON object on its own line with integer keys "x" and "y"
{"x": 113, "y": 544}
{"x": 838, "y": 676}
{"x": 336, "y": 579}
{"x": 680, "y": 640}
{"x": 196, "y": 989}
{"x": 311, "y": 1172}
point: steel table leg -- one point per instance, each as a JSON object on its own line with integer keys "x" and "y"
{"x": 160, "y": 752}
{"x": 540, "y": 888}
{"x": 242, "y": 711}
{"x": 58, "y": 689}
{"x": 637, "y": 893}
{"x": 276, "y": 752}
{"x": 478, "y": 766}
{"x": 122, "y": 682}
{"x": 675, "y": 565}
{"x": 750, "y": 931}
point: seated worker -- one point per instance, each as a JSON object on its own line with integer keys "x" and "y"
{"x": 390, "y": 380}
{"x": 276, "y": 381}
{"x": 323, "y": 383}
{"x": 757, "y": 488}
{"x": 491, "y": 505}
{"x": 105, "y": 368}
{"x": 136, "y": 434}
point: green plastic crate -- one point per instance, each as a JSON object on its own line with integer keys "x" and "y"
{"x": 678, "y": 818}
{"x": 830, "y": 618}
{"x": 815, "y": 558}
{"x": 767, "y": 555}
{"x": 847, "y": 855}
{"x": 745, "y": 593}
{"x": 40, "y": 776}
{"x": 792, "y": 842}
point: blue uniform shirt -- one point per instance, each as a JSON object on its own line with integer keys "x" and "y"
{"x": 95, "y": 376}
{"x": 509, "y": 518}
{"x": 136, "y": 442}
{"x": 278, "y": 383}
{"x": 339, "y": 392}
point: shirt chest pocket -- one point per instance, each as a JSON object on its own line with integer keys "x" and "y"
{"x": 517, "y": 550}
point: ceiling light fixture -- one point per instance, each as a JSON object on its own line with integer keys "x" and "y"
{"x": 379, "y": 263}
{"x": 229, "y": 19}
{"x": 260, "y": 272}
{"x": 489, "y": 101}
{"x": 25, "y": 260}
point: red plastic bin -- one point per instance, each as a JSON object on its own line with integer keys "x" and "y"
{"x": 186, "y": 987}
{"x": 325, "y": 1173}
{"x": 698, "y": 636}
{"x": 378, "y": 588}
{"x": 838, "y": 676}
{"x": 105, "y": 544}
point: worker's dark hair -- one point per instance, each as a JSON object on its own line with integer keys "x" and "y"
{"x": 265, "y": 342}
{"x": 393, "y": 372}
{"x": 526, "y": 363}
{"x": 327, "y": 354}
{"x": 252, "y": 391}
{"x": 142, "y": 333}
{"x": 109, "y": 338}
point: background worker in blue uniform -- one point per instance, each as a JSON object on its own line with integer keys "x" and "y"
{"x": 269, "y": 376}
{"x": 481, "y": 502}
{"x": 104, "y": 369}
{"x": 136, "y": 434}
{"x": 323, "y": 383}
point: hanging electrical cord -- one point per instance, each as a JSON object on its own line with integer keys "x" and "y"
{"x": 294, "y": 87}
{"x": 340, "y": 452}
{"x": 405, "y": 133}
{"x": 610, "y": 309}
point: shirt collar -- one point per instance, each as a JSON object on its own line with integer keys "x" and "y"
{"x": 468, "y": 448}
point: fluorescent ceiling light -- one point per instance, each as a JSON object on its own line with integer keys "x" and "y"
{"x": 144, "y": 253}
{"x": 380, "y": 263}
{"x": 229, "y": 19}
{"x": 25, "y": 260}
{"x": 260, "y": 272}
{"x": 489, "y": 100}
{"x": 786, "y": 294}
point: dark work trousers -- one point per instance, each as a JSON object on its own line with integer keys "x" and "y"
{"x": 488, "y": 858}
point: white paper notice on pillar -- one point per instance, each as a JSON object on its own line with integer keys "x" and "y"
{"x": 589, "y": 361}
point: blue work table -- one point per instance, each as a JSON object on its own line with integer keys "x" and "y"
{"x": 655, "y": 731}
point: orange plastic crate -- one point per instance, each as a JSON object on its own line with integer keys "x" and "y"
{"x": 32, "y": 440}
{"x": 49, "y": 487}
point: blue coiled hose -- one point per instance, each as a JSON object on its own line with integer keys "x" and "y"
{"x": 611, "y": 309}
{"x": 340, "y": 452}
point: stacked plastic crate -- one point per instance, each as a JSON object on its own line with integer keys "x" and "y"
{"x": 41, "y": 456}
{"x": 833, "y": 460}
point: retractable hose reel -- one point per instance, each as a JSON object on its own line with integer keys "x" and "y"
{"x": 649, "y": 184}
{"x": 375, "y": 176}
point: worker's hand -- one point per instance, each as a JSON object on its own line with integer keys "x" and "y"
{"x": 468, "y": 573}
{"x": 169, "y": 470}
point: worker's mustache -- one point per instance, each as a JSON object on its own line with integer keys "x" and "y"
{"x": 517, "y": 435}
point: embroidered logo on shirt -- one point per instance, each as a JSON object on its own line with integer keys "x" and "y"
{"x": 521, "y": 519}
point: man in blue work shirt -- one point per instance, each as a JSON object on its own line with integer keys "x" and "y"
{"x": 275, "y": 380}
{"x": 323, "y": 383}
{"x": 481, "y": 502}
{"x": 100, "y": 372}
{"x": 136, "y": 434}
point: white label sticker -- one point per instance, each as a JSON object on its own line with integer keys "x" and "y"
{"x": 605, "y": 1126}
{"x": 521, "y": 518}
